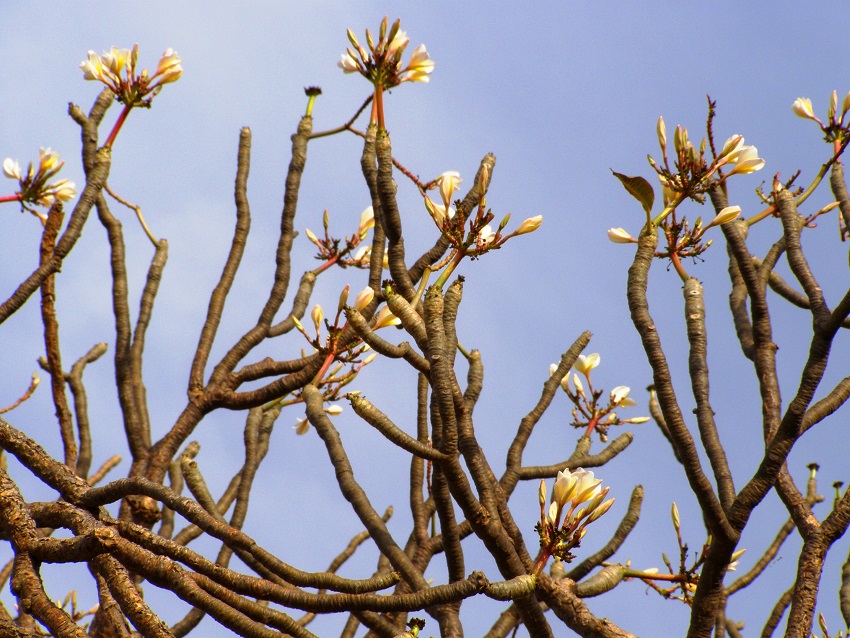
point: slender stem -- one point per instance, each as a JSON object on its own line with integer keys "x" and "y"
{"x": 444, "y": 276}
{"x": 118, "y": 124}
{"x": 379, "y": 106}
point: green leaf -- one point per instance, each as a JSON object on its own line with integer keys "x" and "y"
{"x": 638, "y": 188}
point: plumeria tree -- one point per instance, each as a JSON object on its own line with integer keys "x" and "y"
{"x": 141, "y": 528}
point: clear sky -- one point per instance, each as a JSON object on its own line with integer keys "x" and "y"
{"x": 561, "y": 93}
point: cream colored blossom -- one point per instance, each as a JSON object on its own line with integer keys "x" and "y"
{"x": 620, "y": 397}
{"x": 485, "y": 237}
{"x": 420, "y": 67}
{"x": 620, "y": 236}
{"x": 731, "y": 145}
{"x": 449, "y": 182}
{"x": 725, "y": 216}
{"x": 367, "y": 221}
{"x": 529, "y": 225}
{"x": 747, "y": 161}
{"x": 384, "y": 318}
{"x": 116, "y": 69}
{"x": 301, "y": 427}
{"x": 348, "y": 63}
{"x": 11, "y": 168}
{"x": 364, "y": 298}
{"x": 802, "y": 107}
{"x": 585, "y": 364}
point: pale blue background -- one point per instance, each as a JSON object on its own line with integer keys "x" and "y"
{"x": 561, "y": 93}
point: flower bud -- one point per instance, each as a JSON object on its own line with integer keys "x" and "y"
{"x": 505, "y": 221}
{"x": 343, "y": 298}
{"x": 661, "y": 131}
{"x": 578, "y": 384}
{"x": 317, "y": 315}
{"x": 674, "y": 513}
{"x": 725, "y": 216}
{"x": 620, "y": 236}
{"x": 529, "y": 225}
{"x": 802, "y": 107}
{"x": 364, "y": 298}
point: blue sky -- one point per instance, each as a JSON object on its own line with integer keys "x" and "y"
{"x": 560, "y": 93}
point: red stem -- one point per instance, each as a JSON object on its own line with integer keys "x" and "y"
{"x": 118, "y": 124}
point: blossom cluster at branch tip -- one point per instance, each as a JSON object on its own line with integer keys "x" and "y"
{"x": 34, "y": 186}
{"x": 116, "y": 69}
{"x": 577, "y": 500}
{"x": 589, "y": 412}
{"x": 381, "y": 63}
{"x": 482, "y": 236}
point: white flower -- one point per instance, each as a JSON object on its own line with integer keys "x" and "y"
{"x": 585, "y": 364}
{"x": 11, "y": 168}
{"x": 348, "y": 63}
{"x": 485, "y": 237}
{"x": 419, "y": 67}
{"x": 620, "y": 236}
{"x": 384, "y": 318}
{"x": 564, "y": 488}
{"x": 398, "y": 43}
{"x": 802, "y": 107}
{"x": 169, "y": 69}
{"x": 746, "y": 161}
{"x": 301, "y": 427}
{"x": 732, "y": 145}
{"x": 725, "y": 216}
{"x": 620, "y": 397}
{"x": 367, "y": 220}
{"x": 364, "y": 298}
{"x": 438, "y": 213}
{"x": 587, "y": 486}
{"x": 449, "y": 182}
